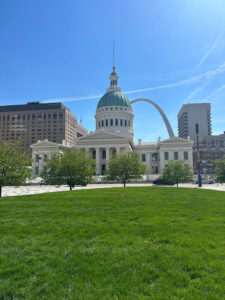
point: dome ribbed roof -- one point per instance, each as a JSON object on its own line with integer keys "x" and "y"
{"x": 114, "y": 98}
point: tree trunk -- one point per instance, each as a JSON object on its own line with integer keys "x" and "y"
{"x": 124, "y": 184}
{"x": 177, "y": 184}
{"x": 0, "y": 191}
{"x": 71, "y": 188}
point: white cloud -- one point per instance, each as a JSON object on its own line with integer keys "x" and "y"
{"x": 208, "y": 76}
{"x": 215, "y": 92}
{"x": 208, "y": 52}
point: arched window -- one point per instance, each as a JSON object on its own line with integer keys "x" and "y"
{"x": 117, "y": 122}
{"x": 125, "y": 123}
{"x": 99, "y": 124}
{"x": 121, "y": 122}
{"x": 102, "y": 123}
{"x": 106, "y": 122}
{"x": 111, "y": 122}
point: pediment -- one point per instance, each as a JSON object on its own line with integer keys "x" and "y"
{"x": 101, "y": 135}
{"x": 176, "y": 139}
{"x": 45, "y": 143}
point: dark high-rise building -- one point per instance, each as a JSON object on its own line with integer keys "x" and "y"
{"x": 38, "y": 121}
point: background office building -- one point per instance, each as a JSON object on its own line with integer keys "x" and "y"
{"x": 193, "y": 113}
{"x": 211, "y": 146}
{"x": 39, "y": 121}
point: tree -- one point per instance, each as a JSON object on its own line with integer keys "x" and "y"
{"x": 14, "y": 165}
{"x": 71, "y": 167}
{"x": 123, "y": 167}
{"x": 220, "y": 169}
{"x": 177, "y": 172}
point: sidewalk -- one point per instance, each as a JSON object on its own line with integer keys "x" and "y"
{"x": 37, "y": 189}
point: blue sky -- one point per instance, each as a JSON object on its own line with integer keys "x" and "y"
{"x": 54, "y": 49}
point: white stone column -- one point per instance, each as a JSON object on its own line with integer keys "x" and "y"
{"x": 107, "y": 154}
{"x": 41, "y": 163}
{"x": 190, "y": 158}
{"x": 33, "y": 164}
{"x": 97, "y": 161}
{"x": 162, "y": 162}
{"x": 181, "y": 155}
{"x": 147, "y": 157}
{"x": 127, "y": 149}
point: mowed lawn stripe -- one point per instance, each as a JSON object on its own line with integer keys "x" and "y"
{"x": 119, "y": 243}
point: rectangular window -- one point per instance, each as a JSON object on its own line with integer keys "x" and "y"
{"x": 106, "y": 122}
{"x": 45, "y": 157}
{"x": 111, "y": 122}
{"x": 143, "y": 157}
{"x": 121, "y": 122}
{"x": 155, "y": 156}
{"x": 154, "y": 170}
{"x": 37, "y": 170}
{"x": 103, "y": 154}
{"x": 116, "y": 122}
{"x": 175, "y": 155}
{"x": 185, "y": 155}
{"x": 166, "y": 155}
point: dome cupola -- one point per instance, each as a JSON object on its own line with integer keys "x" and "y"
{"x": 113, "y": 82}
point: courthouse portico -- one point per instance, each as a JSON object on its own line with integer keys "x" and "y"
{"x": 102, "y": 145}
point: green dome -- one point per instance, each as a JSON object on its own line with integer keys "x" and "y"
{"x": 114, "y": 99}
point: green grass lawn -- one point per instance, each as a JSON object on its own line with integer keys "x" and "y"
{"x": 133, "y": 243}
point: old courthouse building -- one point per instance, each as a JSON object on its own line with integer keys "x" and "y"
{"x": 114, "y": 134}
{"x": 38, "y": 121}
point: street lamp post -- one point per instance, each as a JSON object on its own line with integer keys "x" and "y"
{"x": 198, "y": 157}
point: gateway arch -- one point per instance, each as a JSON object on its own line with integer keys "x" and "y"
{"x": 166, "y": 121}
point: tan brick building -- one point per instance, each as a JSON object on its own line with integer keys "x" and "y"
{"x": 38, "y": 121}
